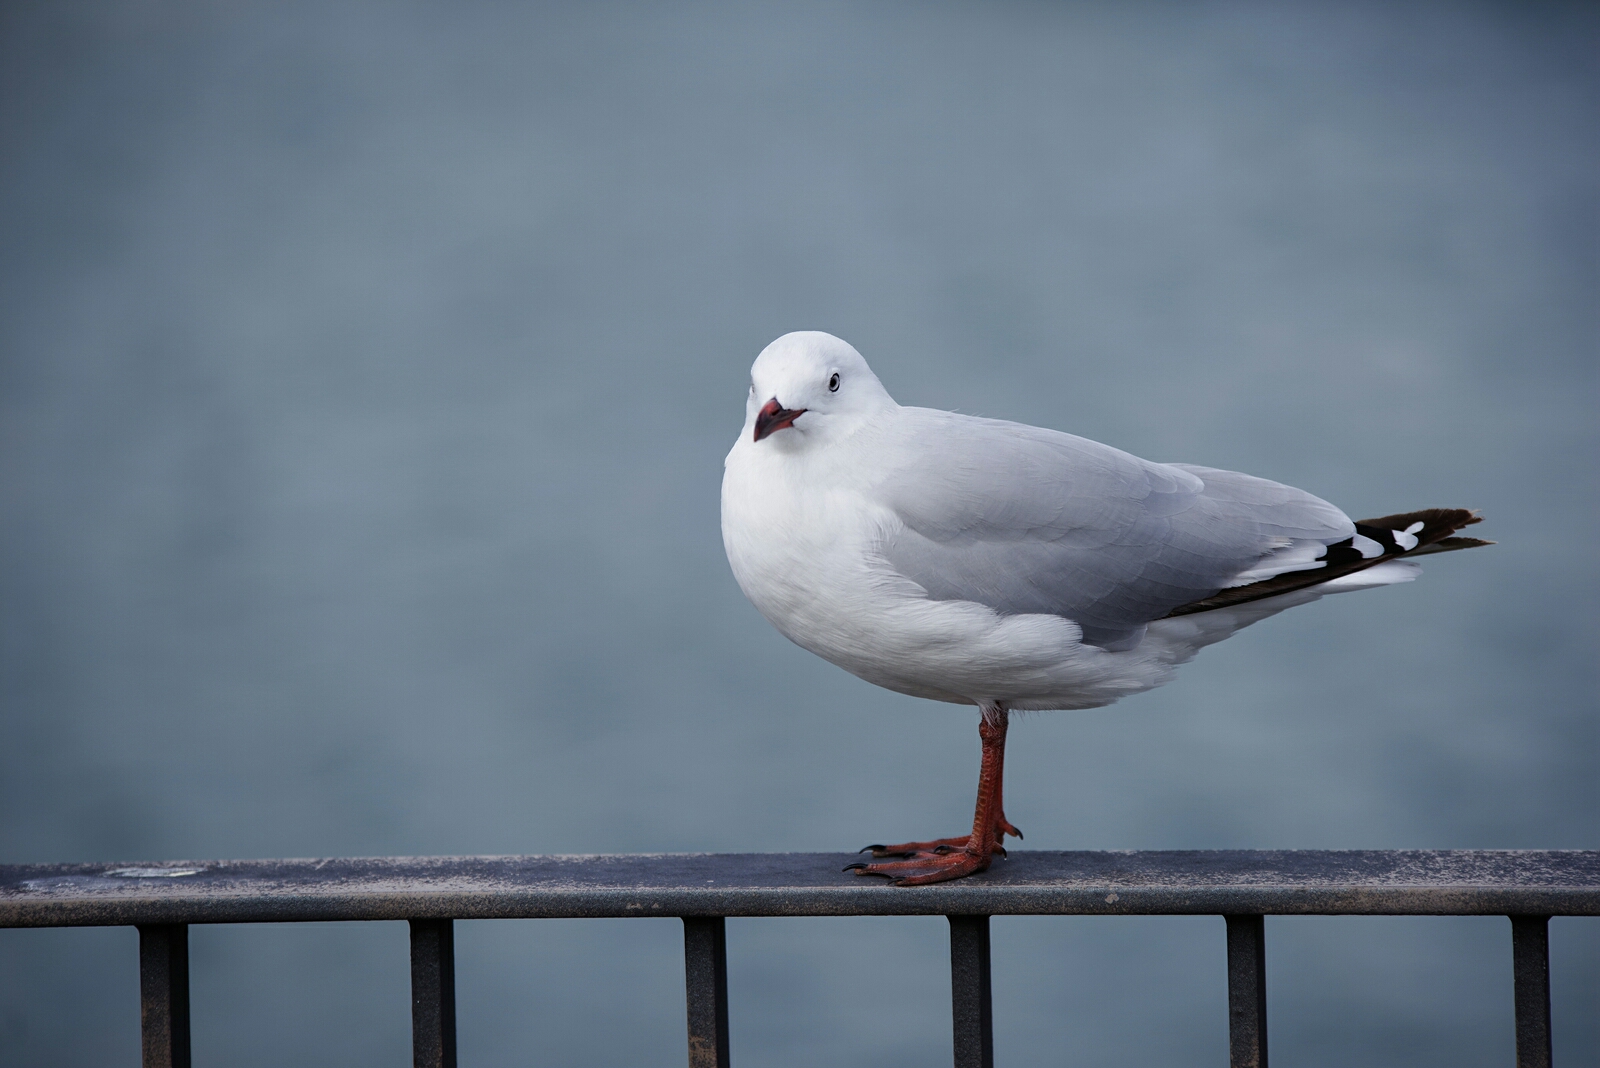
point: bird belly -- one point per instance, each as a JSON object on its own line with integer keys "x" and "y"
{"x": 811, "y": 564}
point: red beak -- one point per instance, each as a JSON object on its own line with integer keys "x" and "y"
{"x": 772, "y": 418}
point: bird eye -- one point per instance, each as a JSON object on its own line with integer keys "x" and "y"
{"x": 833, "y": 384}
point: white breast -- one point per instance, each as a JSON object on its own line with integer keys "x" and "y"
{"x": 803, "y": 542}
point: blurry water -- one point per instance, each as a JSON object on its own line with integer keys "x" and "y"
{"x": 367, "y": 373}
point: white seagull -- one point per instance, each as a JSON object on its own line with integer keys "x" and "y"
{"x": 1006, "y": 566}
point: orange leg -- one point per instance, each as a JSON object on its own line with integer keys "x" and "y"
{"x": 940, "y": 859}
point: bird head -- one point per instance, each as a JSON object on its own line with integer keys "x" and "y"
{"x": 810, "y": 386}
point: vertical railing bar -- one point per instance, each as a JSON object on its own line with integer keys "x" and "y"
{"x": 164, "y": 994}
{"x": 433, "y": 994}
{"x": 1247, "y": 991}
{"x": 1530, "y": 968}
{"x": 971, "y": 1002}
{"x": 705, "y": 978}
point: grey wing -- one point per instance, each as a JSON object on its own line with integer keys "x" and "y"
{"x": 1026, "y": 520}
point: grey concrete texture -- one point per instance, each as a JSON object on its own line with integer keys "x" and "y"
{"x": 365, "y": 374}
{"x": 1184, "y": 882}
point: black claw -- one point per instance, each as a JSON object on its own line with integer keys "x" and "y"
{"x": 1018, "y": 831}
{"x": 942, "y": 850}
{"x": 854, "y": 867}
{"x": 866, "y": 869}
{"x": 1003, "y": 852}
{"x": 873, "y": 849}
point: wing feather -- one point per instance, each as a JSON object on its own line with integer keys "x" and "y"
{"x": 1027, "y": 520}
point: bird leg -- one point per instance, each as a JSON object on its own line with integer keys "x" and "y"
{"x": 940, "y": 859}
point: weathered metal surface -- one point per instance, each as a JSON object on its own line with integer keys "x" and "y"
{"x": 705, "y": 977}
{"x": 972, "y": 1011}
{"x": 1247, "y": 992}
{"x": 164, "y": 995}
{"x": 433, "y": 994}
{"x": 1406, "y": 882}
{"x": 1530, "y": 969}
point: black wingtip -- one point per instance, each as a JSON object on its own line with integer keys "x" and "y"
{"x": 1447, "y": 545}
{"x": 1388, "y": 537}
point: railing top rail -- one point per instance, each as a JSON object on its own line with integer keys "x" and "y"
{"x": 1195, "y": 882}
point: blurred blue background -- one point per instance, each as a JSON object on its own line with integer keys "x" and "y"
{"x": 367, "y": 372}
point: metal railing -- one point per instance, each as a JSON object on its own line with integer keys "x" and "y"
{"x": 703, "y": 889}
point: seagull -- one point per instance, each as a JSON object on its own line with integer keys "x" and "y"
{"x": 990, "y": 563}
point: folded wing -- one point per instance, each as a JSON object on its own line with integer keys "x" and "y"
{"x": 1027, "y": 520}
